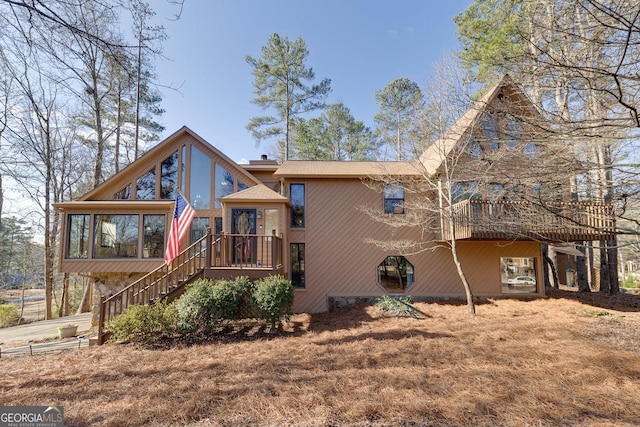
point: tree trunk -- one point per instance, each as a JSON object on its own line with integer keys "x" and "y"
{"x": 605, "y": 287}
{"x": 85, "y": 303}
{"x": 581, "y": 273}
{"x": 471, "y": 308}
{"x": 589, "y": 264}
{"x": 552, "y": 266}
{"x": 64, "y": 300}
{"x": 138, "y": 92}
{"x": 1, "y": 200}
{"x": 97, "y": 174}
{"x": 118, "y": 127}
{"x": 612, "y": 258}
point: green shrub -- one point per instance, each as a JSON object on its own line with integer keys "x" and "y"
{"x": 273, "y": 297}
{"x": 397, "y": 306}
{"x": 8, "y": 315}
{"x": 144, "y": 323}
{"x": 630, "y": 282}
{"x": 233, "y": 299}
{"x": 195, "y": 309}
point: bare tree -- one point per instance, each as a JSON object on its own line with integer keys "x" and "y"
{"x": 580, "y": 59}
{"x": 40, "y": 141}
{"x": 429, "y": 196}
{"x": 6, "y": 84}
{"x": 496, "y": 173}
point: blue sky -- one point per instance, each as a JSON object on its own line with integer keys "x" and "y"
{"x": 361, "y": 45}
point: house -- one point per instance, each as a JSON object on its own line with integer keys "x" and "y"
{"x": 305, "y": 220}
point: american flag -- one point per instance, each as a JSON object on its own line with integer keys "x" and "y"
{"x": 182, "y": 216}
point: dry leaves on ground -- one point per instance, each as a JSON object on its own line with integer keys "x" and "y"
{"x": 556, "y": 361}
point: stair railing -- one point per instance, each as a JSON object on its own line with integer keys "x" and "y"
{"x": 157, "y": 283}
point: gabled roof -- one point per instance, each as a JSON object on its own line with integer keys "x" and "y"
{"x": 433, "y": 157}
{"x": 340, "y": 169}
{"x": 257, "y": 193}
{"x": 169, "y": 145}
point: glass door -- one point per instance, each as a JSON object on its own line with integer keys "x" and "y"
{"x": 243, "y": 224}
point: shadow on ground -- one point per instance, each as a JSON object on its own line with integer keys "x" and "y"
{"x": 620, "y": 302}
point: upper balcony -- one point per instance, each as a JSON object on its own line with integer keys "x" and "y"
{"x": 519, "y": 220}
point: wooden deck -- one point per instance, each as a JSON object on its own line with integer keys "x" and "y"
{"x": 509, "y": 220}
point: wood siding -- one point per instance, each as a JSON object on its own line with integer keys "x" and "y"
{"x": 339, "y": 263}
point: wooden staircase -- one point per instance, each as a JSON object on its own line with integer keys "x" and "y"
{"x": 222, "y": 256}
{"x": 163, "y": 282}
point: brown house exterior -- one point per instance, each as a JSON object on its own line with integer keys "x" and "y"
{"x": 303, "y": 219}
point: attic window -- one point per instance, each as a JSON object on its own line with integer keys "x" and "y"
{"x": 224, "y": 184}
{"x": 500, "y": 97}
{"x": 475, "y": 150}
{"x": 146, "y": 186}
{"x": 169, "y": 177}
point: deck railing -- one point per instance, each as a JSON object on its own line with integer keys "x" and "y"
{"x": 243, "y": 251}
{"x": 506, "y": 219}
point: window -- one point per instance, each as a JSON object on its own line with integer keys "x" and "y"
{"x": 242, "y": 186}
{"x": 200, "y": 180}
{"x": 518, "y": 275}
{"x": 271, "y": 222}
{"x": 183, "y": 169}
{"x": 548, "y": 191}
{"x": 115, "y": 236}
{"x": 124, "y": 194}
{"x": 199, "y": 227}
{"x": 218, "y": 231}
{"x": 169, "y": 177}
{"x": 153, "y": 236}
{"x": 296, "y": 193}
{"x": 78, "y": 241}
{"x": 489, "y": 126}
{"x": 495, "y": 191}
{"x": 514, "y": 129}
{"x": 395, "y": 274}
{"x": 467, "y": 190}
{"x": 531, "y": 150}
{"x": 393, "y": 199}
{"x": 224, "y": 184}
{"x": 146, "y": 186}
{"x": 475, "y": 150}
{"x": 297, "y": 265}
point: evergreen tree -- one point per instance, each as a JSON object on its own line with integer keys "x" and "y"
{"x": 280, "y": 82}
{"x": 400, "y": 104}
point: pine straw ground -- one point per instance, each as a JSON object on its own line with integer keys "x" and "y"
{"x": 567, "y": 360}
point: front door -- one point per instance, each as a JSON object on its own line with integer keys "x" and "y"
{"x": 243, "y": 223}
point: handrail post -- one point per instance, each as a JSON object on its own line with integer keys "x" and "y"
{"x": 273, "y": 250}
{"x": 209, "y": 251}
